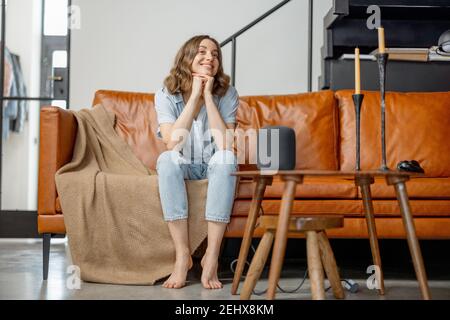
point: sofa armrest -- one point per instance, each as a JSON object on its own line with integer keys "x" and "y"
{"x": 58, "y": 128}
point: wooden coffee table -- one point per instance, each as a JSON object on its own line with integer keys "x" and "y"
{"x": 363, "y": 179}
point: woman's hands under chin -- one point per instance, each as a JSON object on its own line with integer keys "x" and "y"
{"x": 207, "y": 83}
{"x": 197, "y": 85}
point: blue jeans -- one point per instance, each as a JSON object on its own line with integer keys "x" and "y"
{"x": 173, "y": 170}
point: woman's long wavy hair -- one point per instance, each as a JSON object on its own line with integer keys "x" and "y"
{"x": 180, "y": 78}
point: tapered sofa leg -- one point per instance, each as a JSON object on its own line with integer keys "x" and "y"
{"x": 46, "y": 237}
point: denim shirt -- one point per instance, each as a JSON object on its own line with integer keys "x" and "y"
{"x": 199, "y": 146}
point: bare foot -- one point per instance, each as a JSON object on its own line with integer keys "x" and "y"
{"x": 177, "y": 279}
{"x": 209, "y": 277}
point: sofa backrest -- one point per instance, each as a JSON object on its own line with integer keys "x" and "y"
{"x": 136, "y": 122}
{"x": 417, "y": 128}
{"x": 313, "y": 116}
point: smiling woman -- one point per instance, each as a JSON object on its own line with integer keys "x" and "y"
{"x": 194, "y": 57}
{"x": 196, "y": 110}
{"x": 206, "y": 61}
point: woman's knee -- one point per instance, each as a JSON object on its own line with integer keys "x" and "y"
{"x": 223, "y": 157}
{"x": 168, "y": 160}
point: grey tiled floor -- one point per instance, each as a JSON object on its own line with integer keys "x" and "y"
{"x": 21, "y": 278}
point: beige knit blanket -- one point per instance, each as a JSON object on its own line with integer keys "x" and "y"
{"x": 112, "y": 208}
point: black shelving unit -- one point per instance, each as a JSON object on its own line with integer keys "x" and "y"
{"x": 408, "y": 24}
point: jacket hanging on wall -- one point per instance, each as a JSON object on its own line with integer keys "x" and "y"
{"x": 15, "y": 112}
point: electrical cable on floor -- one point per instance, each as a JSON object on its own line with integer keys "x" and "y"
{"x": 278, "y": 286}
{"x": 349, "y": 284}
{"x": 258, "y": 293}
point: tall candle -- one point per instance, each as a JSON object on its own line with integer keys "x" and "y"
{"x": 357, "y": 72}
{"x": 381, "y": 47}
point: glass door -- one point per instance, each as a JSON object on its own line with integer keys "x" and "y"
{"x": 35, "y": 44}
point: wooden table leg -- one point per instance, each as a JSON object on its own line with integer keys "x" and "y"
{"x": 364, "y": 183}
{"x": 258, "y": 194}
{"x": 281, "y": 234}
{"x": 330, "y": 266}
{"x": 413, "y": 242}
{"x": 315, "y": 269}
{"x": 257, "y": 265}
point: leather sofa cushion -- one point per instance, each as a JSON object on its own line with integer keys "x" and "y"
{"x": 418, "y": 188}
{"x": 306, "y": 207}
{"x": 387, "y": 228}
{"x": 312, "y": 187}
{"x": 417, "y": 127}
{"x": 136, "y": 122}
{"x": 348, "y": 208}
{"x": 313, "y": 116}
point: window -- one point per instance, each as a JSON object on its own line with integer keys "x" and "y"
{"x": 55, "y": 17}
{"x": 59, "y": 59}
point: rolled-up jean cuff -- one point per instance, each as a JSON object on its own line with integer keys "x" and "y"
{"x": 169, "y": 219}
{"x": 216, "y": 219}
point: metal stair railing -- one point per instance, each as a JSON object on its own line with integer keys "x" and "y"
{"x": 233, "y": 38}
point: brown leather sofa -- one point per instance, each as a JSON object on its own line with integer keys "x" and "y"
{"x": 418, "y": 127}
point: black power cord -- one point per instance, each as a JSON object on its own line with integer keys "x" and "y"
{"x": 259, "y": 293}
{"x": 278, "y": 286}
{"x": 349, "y": 284}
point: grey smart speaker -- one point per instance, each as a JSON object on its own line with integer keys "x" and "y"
{"x": 276, "y": 148}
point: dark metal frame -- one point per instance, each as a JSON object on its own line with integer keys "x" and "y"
{"x": 21, "y": 223}
{"x": 382, "y": 59}
{"x": 50, "y": 43}
{"x": 233, "y": 38}
{"x": 2, "y": 85}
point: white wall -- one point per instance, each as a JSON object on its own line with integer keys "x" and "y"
{"x": 20, "y": 150}
{"x": 130, "y": 45}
